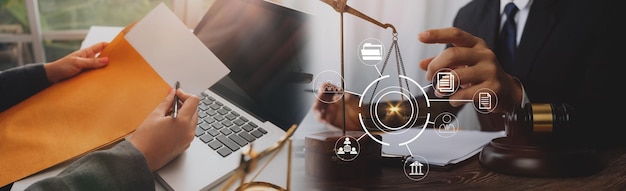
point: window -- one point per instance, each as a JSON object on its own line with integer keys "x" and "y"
{"x": 43, "y": 31}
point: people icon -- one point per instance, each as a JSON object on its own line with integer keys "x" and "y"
{"x": 353, "y": 151}
{"x": 340, "y": 151}
{"x": 347, "y": 141}
{"x": 446, "y": 126}
{"x": 330, "y": 87}
{"x": 346, "y": 148}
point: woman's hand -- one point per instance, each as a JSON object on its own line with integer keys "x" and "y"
{"x": 74, "y": 63}
{"x": 161, "y": 137}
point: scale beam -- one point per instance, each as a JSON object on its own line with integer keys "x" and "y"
{"x": 342, "y": 7}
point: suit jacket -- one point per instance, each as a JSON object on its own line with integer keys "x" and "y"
{"x": 566, "y": 54}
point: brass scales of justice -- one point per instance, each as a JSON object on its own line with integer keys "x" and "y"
{"x": 249, "y": 158}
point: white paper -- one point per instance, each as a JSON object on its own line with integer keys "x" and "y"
{"x": 98, "y": 34}
{"x": 170, "y": 48}
{"x": 175, "y": 52}
{"x": 442, "y": 151}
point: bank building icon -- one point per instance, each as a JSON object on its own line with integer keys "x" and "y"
{"x": 416, "y": 168}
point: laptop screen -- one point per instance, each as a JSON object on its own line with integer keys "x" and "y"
{"x": 265, "y": 47}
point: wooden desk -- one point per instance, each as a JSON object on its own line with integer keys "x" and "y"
{"x": 469, "y": 175}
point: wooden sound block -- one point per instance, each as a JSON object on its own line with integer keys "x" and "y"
{"x": 322, "y": 160}
{"x": 539, "y": 159}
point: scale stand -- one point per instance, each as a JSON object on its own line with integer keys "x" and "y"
{"x": 322, "y": 160}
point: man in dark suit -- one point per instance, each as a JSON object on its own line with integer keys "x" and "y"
{"x": 565, "y": 54}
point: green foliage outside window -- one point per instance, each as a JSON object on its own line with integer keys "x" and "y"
{"x": 60, "y": 15}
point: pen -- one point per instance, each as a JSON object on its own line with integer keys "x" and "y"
{"x": 176, "y": 100}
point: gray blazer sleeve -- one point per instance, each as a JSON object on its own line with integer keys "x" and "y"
{"x": 122, "y": 167}
{"x": 19, "y": 83}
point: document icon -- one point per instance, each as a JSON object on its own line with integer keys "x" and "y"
{"x": 484, "y": 100}
{"x": 371, "y": 51}
{"x": 445, "y": 82}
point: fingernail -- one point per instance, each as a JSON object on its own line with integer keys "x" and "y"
{"x": 104, "y": 60}
{"x": 424, "y": 34}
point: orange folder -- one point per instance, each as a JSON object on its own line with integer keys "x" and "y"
{"x": 87, "y": 112}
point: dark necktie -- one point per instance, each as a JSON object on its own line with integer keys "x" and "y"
{"x": 507, "y": 43}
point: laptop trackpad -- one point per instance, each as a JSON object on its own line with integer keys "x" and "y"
{"x": 197, "y": 168}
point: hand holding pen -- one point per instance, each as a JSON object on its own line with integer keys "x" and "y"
{"x": 161, "y": 137}
{"x": 176, "y": 100}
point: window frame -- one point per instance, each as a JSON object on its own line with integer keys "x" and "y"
{"x": 36, "y": 36}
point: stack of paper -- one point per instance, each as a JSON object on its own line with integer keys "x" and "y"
{"x": 441, "y": 151}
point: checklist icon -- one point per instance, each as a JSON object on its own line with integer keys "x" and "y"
{"x": 484, "y": 100}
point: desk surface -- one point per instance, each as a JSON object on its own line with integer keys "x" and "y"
{"x": 469, "y": 175}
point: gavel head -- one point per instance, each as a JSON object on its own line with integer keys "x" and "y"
{"x": 539, "y": 122}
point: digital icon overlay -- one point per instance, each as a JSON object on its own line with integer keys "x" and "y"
{"x": 371, "y": 52}
{"x": 416, "y": 167}
{"x": 347, "y": 148}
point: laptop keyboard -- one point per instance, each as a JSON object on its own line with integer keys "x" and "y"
{"x": 222, "y": 129}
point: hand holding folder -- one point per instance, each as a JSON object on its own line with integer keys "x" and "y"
{"x": 100, "y": 107}
{"x": 80, "y": 114}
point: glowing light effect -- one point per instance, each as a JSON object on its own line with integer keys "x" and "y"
{"x": 394, "y": 109}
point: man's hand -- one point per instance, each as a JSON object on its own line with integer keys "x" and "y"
{"x": 329, "y": 107}
{"x": 74, "y": 63}
{"x": 476, "y": 65}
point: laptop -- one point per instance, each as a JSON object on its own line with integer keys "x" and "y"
{"x": 264, "y": 45}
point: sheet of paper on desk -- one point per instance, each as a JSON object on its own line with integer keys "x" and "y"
{"x": 442, "y": 151}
